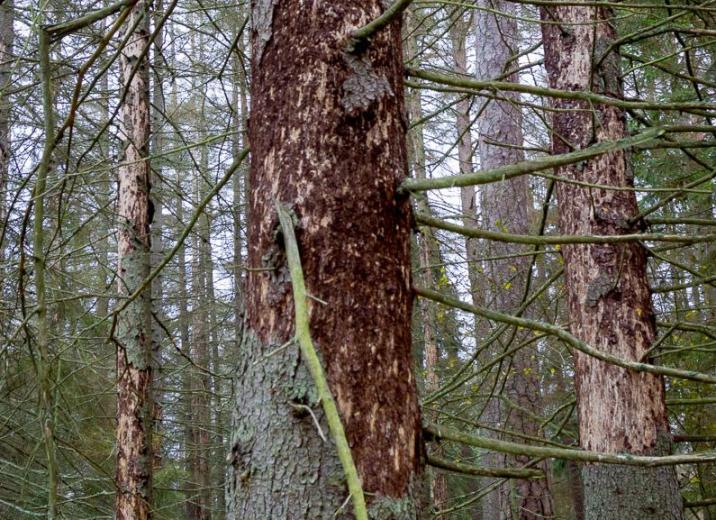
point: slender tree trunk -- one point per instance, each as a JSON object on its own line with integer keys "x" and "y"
{"x": 428, "y": 251}
{"x": 184, "y": 345}
{"x": 39, "y": 248}
{"x": 327, "y": 138}
{"x": 506, "y": 206}
{"x": 7, "y": 36}
{"x": 608, "y": 292}
{"x": 239, "y": 183}
{"x": 134, "y": 324}
{"x": 157, "y": 243}
{"x": 103, "y": 201}
{"x": 468, "y": 194}
{"x": 201, "y": 388}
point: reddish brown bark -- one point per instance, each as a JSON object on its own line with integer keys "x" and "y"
{"x": 608, "y": 293}
{"x": 133, "y": 336}
{"x": 327, "y": 138}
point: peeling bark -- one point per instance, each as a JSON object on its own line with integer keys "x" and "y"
{"x": 608, "y": 293}
{"x": 506, "y": 207}
{"x": 134, "y": 335}
{"x": 338, "y": 164}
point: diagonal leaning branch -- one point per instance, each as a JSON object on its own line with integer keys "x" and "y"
{"x": 473, "y": 232}
{"x": 568, "y": 338}
{"x": 515, "y": 448}
{"x": 534, "y": 165}
{"x": 309, "y": 355}
{"x": 470, "y": 84}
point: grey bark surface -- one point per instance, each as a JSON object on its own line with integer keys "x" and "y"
{"x": 277, "y": 457}
{"x": 620, "y": 411}
{"x": 506, "y": 207}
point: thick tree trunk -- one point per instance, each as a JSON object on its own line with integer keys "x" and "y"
{"x": 134, "y": 331}
{"x": 506, "y": 207}
{"x": 327, "y": 138}
{"x": 608, "y": 293}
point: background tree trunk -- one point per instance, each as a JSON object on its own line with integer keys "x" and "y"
{"x": 327, "y": 138}
{"x": 428, "y": 259}
{"x": 134, "y": 324}
{"x": 608, "y": 292}
{"x": 7, "y": 36}
{"x": 506, "y": 207}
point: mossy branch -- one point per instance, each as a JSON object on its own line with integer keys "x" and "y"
{"x": 59, "y": 30}
{"x": 567, "y": 337}
{"x": 310, "y": 357}
{"x": 514, "y": 448}
{"x": 524, "y": 167}
{"x": 467, "y": 469}
{"x": 454, "y": 80}
{"x": 498, "y": 236}
{"x": 361, "y": 35}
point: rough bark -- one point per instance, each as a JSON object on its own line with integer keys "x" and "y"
{"x": 133, "y": 334}
{"x": 506, "y": 207}
{"x": 328, "y": 139}
{"x": 608, "y": 294}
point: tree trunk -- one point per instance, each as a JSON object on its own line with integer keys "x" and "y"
{"x": 428, "y": 256}
{"x": 7, "y": 36}
{"x": 608, "y": 292}
{"x": 200, "y": 389}
{"x": 327, "y": 138}
{"x": 134, "y": 331}
{"x": 157, "y": 244}
{"x": 239, "y": 181}
{"x": 506, "y": 207}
